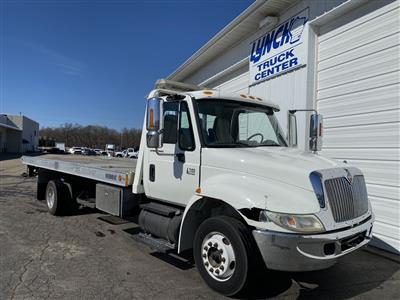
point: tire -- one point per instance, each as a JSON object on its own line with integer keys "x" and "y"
{"x": 230, "y": 235}
{"x": 57, "y": 197}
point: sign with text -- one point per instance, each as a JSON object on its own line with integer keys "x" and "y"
{"x": 280, "y": 50}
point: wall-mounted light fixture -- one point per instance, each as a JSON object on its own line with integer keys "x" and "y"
{"x": 268, "y": 21}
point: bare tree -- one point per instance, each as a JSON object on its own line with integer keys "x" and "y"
{"x": 92, "y": 136}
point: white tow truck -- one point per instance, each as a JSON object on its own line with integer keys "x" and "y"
{"x": 216, "y": 175}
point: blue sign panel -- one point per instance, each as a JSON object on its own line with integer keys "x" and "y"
{"x": 280, "y": 50}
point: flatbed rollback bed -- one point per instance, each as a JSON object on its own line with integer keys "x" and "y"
{"x": 97, "y": 182}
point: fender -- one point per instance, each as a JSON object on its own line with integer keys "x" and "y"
{"x": 183, "y": 231}
{"x": 241, "y": 191}
{"x": 197, "y": 210}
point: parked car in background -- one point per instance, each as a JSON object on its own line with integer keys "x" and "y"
{"x": 134, "y": 154}
{"x": 110, "y": 148}
{"x": 120, "y": 153}
{"x": 126, "y": 153}
{"x": 75, "y": 150}
{"x": 98, "y": 151}
{"x": 88, "y": 151}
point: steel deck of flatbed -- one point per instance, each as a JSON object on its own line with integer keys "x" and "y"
{"x": 116, "y": 171}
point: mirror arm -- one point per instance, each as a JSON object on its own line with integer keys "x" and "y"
{"x": 293, "y": 111}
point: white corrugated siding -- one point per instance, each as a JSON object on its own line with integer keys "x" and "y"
{"x": 239, "y": 84}
{"x": 358, "y": 92}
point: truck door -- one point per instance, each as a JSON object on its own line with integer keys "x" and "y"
{"x": 173, "y": 169}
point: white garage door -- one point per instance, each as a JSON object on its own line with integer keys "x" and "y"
{"x": 358, "y": 92}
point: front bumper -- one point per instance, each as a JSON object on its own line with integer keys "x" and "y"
{"x": 295, "y": 252}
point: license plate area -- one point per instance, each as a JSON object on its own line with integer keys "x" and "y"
{"x": 352, "y": 241}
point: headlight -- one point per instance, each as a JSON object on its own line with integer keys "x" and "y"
{"x": 299, "y": 223}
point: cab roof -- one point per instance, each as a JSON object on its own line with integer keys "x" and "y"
{"x": 204, "y": 94}
{"x": 165, "y": 87}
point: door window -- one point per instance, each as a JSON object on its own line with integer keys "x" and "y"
{"x": 170, "y": 122}
{"x": 186, "y": 138}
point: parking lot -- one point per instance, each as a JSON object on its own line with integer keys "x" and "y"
{"x": 81, "y": 256}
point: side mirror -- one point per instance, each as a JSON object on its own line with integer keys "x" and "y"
{"x": 316, "y": 132}
{"x": 154, "y": 123}
{"x": 292, "y": 129}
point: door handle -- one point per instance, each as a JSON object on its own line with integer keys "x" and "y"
{"x": 152, "y": 173}
{"x": 181, "y": 157}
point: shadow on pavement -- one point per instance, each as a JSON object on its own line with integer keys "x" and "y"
{"x": 354, "y": 276}
{"x": 10, "y": 156}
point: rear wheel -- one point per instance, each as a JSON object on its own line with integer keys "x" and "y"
{"x": 57, "y": 197}
{"x": 224, "y": 254}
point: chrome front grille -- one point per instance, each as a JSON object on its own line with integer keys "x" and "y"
{"x": 348, "y": 201}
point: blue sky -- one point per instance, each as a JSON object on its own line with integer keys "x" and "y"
{"x": 92, "y": 62}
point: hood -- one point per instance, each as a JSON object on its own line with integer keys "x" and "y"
{"x": 288, "y": 165}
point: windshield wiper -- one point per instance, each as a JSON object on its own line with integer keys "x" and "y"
{"x": 246, "y": 144}
{"x": 232, "y": 145}
{"x": 271, "y": 144}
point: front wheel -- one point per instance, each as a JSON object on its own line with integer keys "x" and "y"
{"x": 224, "y": 254}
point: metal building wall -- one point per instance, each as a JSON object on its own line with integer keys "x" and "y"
{"x": 358, "y": 90}
{"x": 291, "y": 90}
{"x": 30, "y": 133}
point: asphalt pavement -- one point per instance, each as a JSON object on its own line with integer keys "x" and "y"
{"x": 83, "y": 257}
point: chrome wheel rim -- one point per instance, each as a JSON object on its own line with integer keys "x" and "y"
{"x": 50, "y": 197}
{"x": 218, "y": 256}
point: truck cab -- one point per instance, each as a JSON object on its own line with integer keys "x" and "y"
{"x": 245, "y": 191}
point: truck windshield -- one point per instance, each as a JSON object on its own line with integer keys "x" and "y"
{"x": 228, "y": 123}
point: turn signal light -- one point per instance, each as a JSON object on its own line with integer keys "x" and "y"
{"x": 151, "y": 123}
